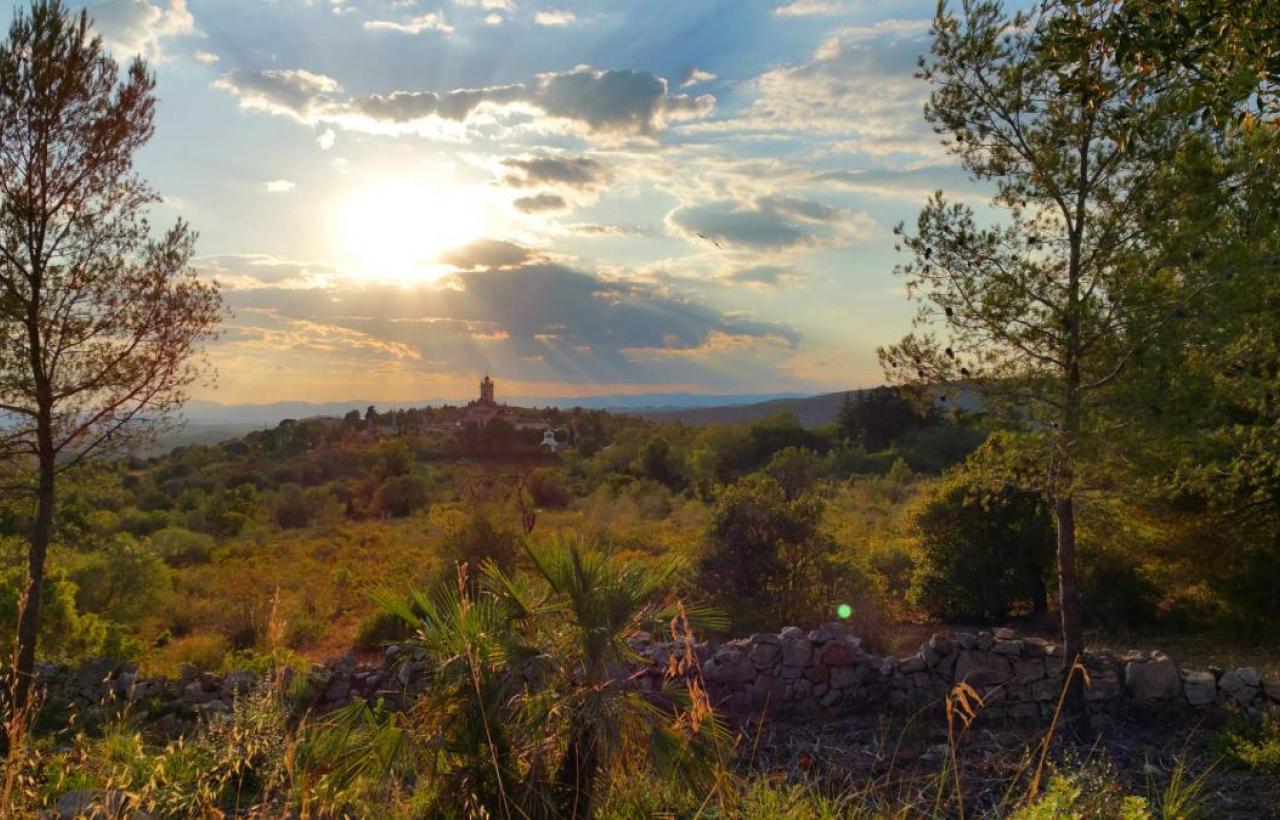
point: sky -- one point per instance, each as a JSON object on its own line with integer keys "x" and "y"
{"x": 399, "y": 196}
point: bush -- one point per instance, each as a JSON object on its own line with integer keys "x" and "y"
{"x": 1115, "y": 593}
{"x": 180, "y": 547}
{"x": 474, "y": 537}
{"x": 400, "y": 496}
{"x": 547, "y": 489}
{"x": 204, "y": 651}
{"x": 295, "y": 508}
{"x": 766, "y": 559}
{"x": 982, "y": 550}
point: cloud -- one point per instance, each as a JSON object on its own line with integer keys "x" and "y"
{"x": 540, "y": 203}
{"x": 206, "y": 57}
{"x": 593, "y": 229}
{"x": 695, "y": 76}
{"x": 488, "y": 254}
{"x": 501, "y": 5}
{"x": 494, "y": 19}
{"x": 582, "y": 173}
{"x": 431, "y": 21}
{"x": 913, "y": 183}
{"x": 616, "y": 103}
{"x": 766, "y": 277}
{"x": 327, "y": 139}
{"x": 294, "y": 91}
{"x": 138, "y": 27}
{"x": 537, "y": 321}
{"x": 241, "y": 271}
{"x": 279, "y": 186}
{"x": 858, "y": 90}
{"x": 768, "y": 223}
{"x": 554, "y": 17}
{"x": 804, "y": 8}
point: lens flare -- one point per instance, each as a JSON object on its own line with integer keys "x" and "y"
{"x": 844, "y": 611}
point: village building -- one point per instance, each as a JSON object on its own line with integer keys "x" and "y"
{"x": 480, "y": 412}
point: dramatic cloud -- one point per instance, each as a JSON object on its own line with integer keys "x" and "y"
{"x": 132, "y": 27}
{"x": 582, "y": 173}
{"x": 611, "y": 103}
{"x": 540, "y": 203}
{"x": 488, "y": 253}
{"x": 431, "y": 21}
{"x": 768, "y": 223}
{"x": 544, "y": 321}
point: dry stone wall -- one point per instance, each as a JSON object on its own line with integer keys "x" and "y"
{"x": 793, "y": 674}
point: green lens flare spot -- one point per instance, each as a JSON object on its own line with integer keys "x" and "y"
{"x": 844, "y": 610}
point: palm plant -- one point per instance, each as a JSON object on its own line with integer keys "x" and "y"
{"x": 592, "y": 604}
{"x": 531, "y": 701}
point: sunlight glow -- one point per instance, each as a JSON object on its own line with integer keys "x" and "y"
{"x": 396, "y": 230}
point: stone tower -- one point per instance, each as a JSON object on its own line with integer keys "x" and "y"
{"x": 486, "y": 391}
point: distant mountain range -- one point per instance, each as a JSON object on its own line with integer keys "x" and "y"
{"x": 811, "y": 411}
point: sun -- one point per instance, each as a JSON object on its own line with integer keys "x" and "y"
{"x": 396, "y": 230}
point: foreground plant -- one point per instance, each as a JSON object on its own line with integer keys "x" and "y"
{"x": 531, "y": 705}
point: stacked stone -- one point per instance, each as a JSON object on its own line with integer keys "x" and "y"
{"x": 796, "y": 672}
{"x": 791, "y": 673}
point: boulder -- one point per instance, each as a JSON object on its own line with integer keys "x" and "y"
{"x": 1152, "y": 681}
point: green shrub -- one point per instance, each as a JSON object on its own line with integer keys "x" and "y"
{"x": 180, "y": 547}
{"x": 1116, "y": 594}
{"x": 982, "y": 550}
{"x": 1251, "y": 744}
{"x": 400, "y": 496}
{"x": 547, "y": 489}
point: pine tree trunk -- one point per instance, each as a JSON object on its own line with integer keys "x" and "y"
{"x": 38, "y": 549}
{"x": 1072, "y": 609}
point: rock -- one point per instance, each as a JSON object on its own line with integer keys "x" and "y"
{"x": 1249, "y": 676}
{"x": 98, "y": 804}
{"x": 1028, "y": 670}
{"x": 817, "y": 674}
{"x": 1272, "y": 690}
{"x": 338, "y": 690}
{"x": 915, "y": 663}
{"x": 730, "y": 666}
{"x": 1230, "y": 683}
{"x": 843, "y": 677}
{"x": 1200, "y": 688}
{"x": 1151, "y": 681}
{"x": 765, "y": 655}
{"x": 1012, "y": 648}
{"x": 839, "y": 653}
{"x": 238, "y": 683}
{"x": 1004, "y": 634}
{"x": 830, "y": 631}
{"x": 796, "y": 650}
{"x": 982, "y": 668}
